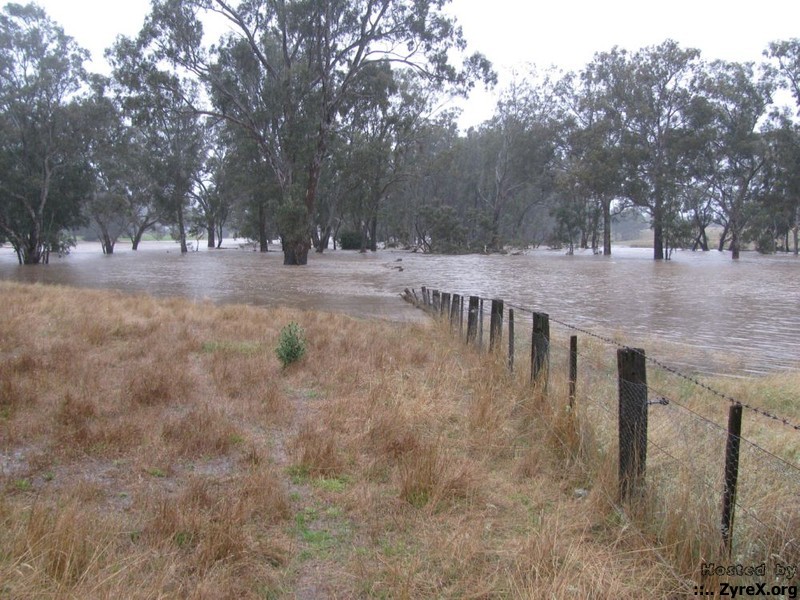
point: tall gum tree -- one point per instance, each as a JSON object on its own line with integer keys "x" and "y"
{"x": 736, "y": 148}
{"x": 285, "y": 71}
{"x": 44, "y": 177}
{"x": 647, "y": 94}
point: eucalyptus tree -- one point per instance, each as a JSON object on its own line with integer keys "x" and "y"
{"x": 737, "y": 152}
{"x": 286, "y": 70}
{"x": 648, "y": 95}
{"x": 212, "y": 189}
{"x": 776, "y": 215}
{"x": 44, "y": 175}
{"x": 172, "y": 136}
{"x": 380, "y": 135}
{"x": 786, "y": 57}
{"x": 591, "y": 169}
{"x": 519, "y": 153}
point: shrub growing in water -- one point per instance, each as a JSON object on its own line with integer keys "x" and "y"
{"x": 350, "y": 240}
{"x": 291, "y": 344}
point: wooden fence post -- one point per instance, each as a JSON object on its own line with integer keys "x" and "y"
{"x": 540, "y": 349}
{"x": 424, "y": 296}
{"x": 511, "y": 340}
{"x": 731, "y": 475}
{"x": 455, "y": 307}
{"x": 445, "y": 311}
{"x": 496, "y": 325}
{"x": 480, "y": 325}
{"x": 632, "y": 387}
{"x": 573, "y": 369}
{"x": 464, "y": 303}
{"x": 472, "y": 319}
{"x": 436, "y": 301}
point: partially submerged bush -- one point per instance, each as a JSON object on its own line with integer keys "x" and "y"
{"x": 291, "y": 344}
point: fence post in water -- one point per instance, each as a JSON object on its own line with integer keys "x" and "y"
{"x": 540, "y": 349}
{"x": 424, "y": 296}
{"x": 472, "y": 319}
{"x": 436, "y": 301}
{"x": 511, "y": 340}
{"x": 632, "y": 386}
{"x": 573, "y": 368}
{"x": 496, "y": 325}
{"x": 731, "y": 475}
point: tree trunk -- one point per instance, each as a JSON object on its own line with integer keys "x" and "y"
{"x": 723, "y": 238}
{"x": 137, "y": 238}
{"x": 658, "y": 233}
{"x": 212, "y": 235}
{"x": 606, "y": 228}
{"x": 373, "y": 234}
{"x": 295, "y": 252}
{"x": 324, "y": 239}
{"x": 263, "y": 238}
{"x": 107, "y": 243}
{"x": 182, "y": 232}
{"x": 734, "y": 241}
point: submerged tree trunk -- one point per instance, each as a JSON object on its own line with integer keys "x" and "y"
{"x": 606, "y": 228}
{"x": 182, "y": 231}
{"x": 734, "y": 241}
{"x": 263, "y": 238}
{"x": 107, "y": 243}
{"x": 658, "y": 232}
{"x": 723, "y": 237}
{"x": 212, "y": 235}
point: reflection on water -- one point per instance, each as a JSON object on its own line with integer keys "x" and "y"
{"x": 742, "y": 316}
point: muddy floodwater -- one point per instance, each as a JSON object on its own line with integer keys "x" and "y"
{"x": 711, "y": 313}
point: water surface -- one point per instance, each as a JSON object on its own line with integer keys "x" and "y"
{"x": 739, "y": 316}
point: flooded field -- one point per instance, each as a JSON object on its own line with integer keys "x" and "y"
{"x": 738, "y": 317}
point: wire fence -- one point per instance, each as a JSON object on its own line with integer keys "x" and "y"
{"x": 712, "y": 493}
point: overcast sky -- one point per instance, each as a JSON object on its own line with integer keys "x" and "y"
{"x": 514, "y": 33}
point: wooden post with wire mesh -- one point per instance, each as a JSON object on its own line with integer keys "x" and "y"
{"x": 632, "y": 386}
{"x": 540, "y": 350}
{"x": 472, "y": 319}
{"x": 496, "y": 325}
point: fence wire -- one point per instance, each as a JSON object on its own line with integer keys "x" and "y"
{"x": 685, "y": 443}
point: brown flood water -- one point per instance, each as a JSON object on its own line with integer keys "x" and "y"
{"x": 711, "y": 313}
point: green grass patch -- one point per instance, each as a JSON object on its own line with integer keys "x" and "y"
{"x": 228, "y": 347}
{"x": 332, "y": 484}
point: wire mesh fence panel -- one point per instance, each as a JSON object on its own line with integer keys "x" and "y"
{"x": 681, "y": 465}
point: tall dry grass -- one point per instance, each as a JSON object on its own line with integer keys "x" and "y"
{"x": 156, "y": 448}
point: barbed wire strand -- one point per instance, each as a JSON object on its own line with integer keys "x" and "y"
{"x": 755, "y": 409}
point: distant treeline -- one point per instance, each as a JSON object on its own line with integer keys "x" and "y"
{"x": 318, "y": 121}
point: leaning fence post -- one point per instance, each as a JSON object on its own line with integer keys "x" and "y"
{"x": 632, "y": 386}
{"x": 496, "y": 325}
{"x": 445, "y": 310}
{"x": 573, "y": 369}
{"x": 511, "y": 340}
{"x": 731, "y": 475}
{"x": 472, "y": 319}
{"x": 540, "y": 349}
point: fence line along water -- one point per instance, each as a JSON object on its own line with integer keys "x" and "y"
{"x": 678, "y": 442}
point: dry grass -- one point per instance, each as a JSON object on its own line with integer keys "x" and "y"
{"x": 158, "y": 449}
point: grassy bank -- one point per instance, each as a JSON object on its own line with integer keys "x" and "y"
{"x": 157, "y": 448}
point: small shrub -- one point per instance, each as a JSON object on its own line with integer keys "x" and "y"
{"x": 350, "y": 240}
{"x": 291, "y": 344}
